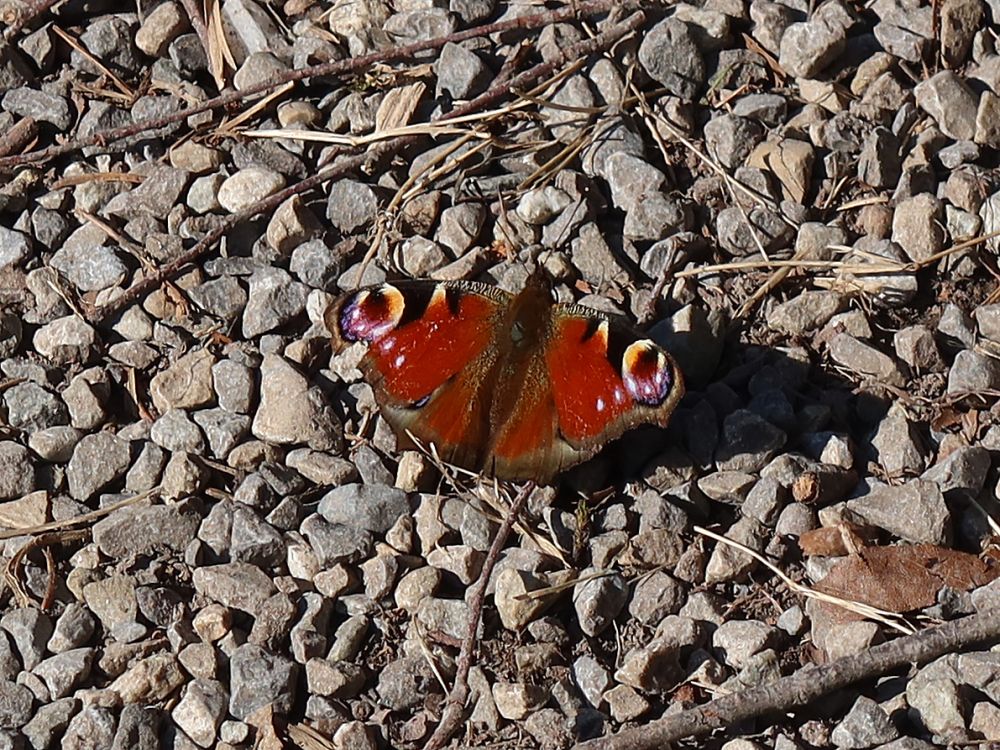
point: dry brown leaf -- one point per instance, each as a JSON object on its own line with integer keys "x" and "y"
{"x": 834, "y": 541}
{"x": 905, "y": 577}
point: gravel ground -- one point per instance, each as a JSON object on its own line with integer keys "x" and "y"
{"x": 213, "y": 540}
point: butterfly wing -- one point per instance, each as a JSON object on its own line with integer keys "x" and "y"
{"x": 430, "y": 359}
{"x": 590, "y": 378}
{"x": 604, "y": 379}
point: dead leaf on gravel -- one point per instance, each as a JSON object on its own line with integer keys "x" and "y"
{"x": 833, "y": 541}
{"x": 905, "y": 577}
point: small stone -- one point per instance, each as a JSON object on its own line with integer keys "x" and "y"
{"x": 599, "y": 600}
{"x": 151, "y": 679}
{"x": 15, "y": 247}
{"x": 592, "y": 679}
{"x": 260, "y": 678}
{"x": 223, "y": 429}
{"x": 291, "y": 225}
{"x": 985, "y": 721}
{"x": 915, "y": 345}
{"x": 460, "y": 72}
{"x": 374, "y": 508}
{"x": 31, "y": 631}
{"x": 237, "y": 585}
{"x": 748, "y": 442}
{"x": 655, "y": 596}
{"x": 866, "y": 725}
{"x": 292, "y": 411}
{"x": 274, "y": 299}
{"x": 336, "y": 543}
{"x": 89, "y": 268}
{"x": 865, "y": 360}
{"x": 98, "y": 460}
{"x": 952, "y": 104}
{"x": 39, "y": 105}
{"x": 516, "y": 700}
{"x": 31, "y": 407}
{"x": 16, "y": 702}
{"x": 64, "y": 672}
{"x": 223, "y": 297}
{"x": 201, "y": 710}
{"x": 94, "y": 726}
{"x": 515, "y": 609}
{"x": 728, "y": 563}
{"x": 176, "y": 432}
{"x": 350, "y": 205}
{"x": 915, "y": 511}
{"x": 654, "y": 668}
{"x": 960, "y": 20}
{"x": 808, "y": 47}
{"x": 186, "y": 384}
{"x": 806, "y": 311}
{"x": 66, "y": 341}
{"x": 193, "y": 156}
{"x": 917, "y": 226}
{"x": 112, "y": 600}
{"x": 896, "y": 444}
{"x": 957, "y": 328}
{"x": 937, "y": 703}
{"x": 738, "y": 640}
{"x": 86, "y": 397}
{"x": 50, "y": 721}
{"x": 404, "y": 682}
{"x": 670, "y": 55}
{"x": 962, "y": 473}
{"x": 248, "y": 186}
{"x": 973, "y": 372}
{"x": 988, "y": 120}
{"x": 234, "y": 386}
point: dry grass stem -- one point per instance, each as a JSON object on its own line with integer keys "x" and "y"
{"x": 890, "y": 619}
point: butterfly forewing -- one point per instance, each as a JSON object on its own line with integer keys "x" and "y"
{"x": 429, "y": 359}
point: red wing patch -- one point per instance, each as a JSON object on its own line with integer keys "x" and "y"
{"x": 424, "y": 352}
{"x": 589, "y": 392}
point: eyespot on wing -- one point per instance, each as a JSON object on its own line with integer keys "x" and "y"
{"x": 367, "y": 315}
{"x": 647, "y": 373}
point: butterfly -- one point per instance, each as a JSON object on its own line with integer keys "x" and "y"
{"x": 514, "y": 386}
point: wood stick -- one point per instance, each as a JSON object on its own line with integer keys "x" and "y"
{"x": 807, "y": 684}
{"x": 455, "y": 705}
{"x": 338, "y": 68}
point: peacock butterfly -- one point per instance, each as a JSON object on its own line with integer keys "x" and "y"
{"x": 516, "y": 386}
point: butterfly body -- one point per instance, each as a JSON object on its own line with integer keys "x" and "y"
{"x": 516, "y": 386}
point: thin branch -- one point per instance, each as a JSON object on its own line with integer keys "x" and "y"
{"x": 455, "y": 705}
{"x": 198, "y": 24}
{"x": 338, "y": 68}
{"x": 347, "y": 165}
{"x": 807, "y": 684}
{"x": 97, "y": 315}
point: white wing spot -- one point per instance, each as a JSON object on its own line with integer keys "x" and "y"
{"x": 600, "y": 404}
{"x": 399, "y": 361}
{"x": 619, "y": 395}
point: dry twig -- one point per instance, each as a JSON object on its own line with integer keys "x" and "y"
{"x": 338, "y": 68}
{"x": 455, "y": 705}
{"x": 807, "y": 684}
